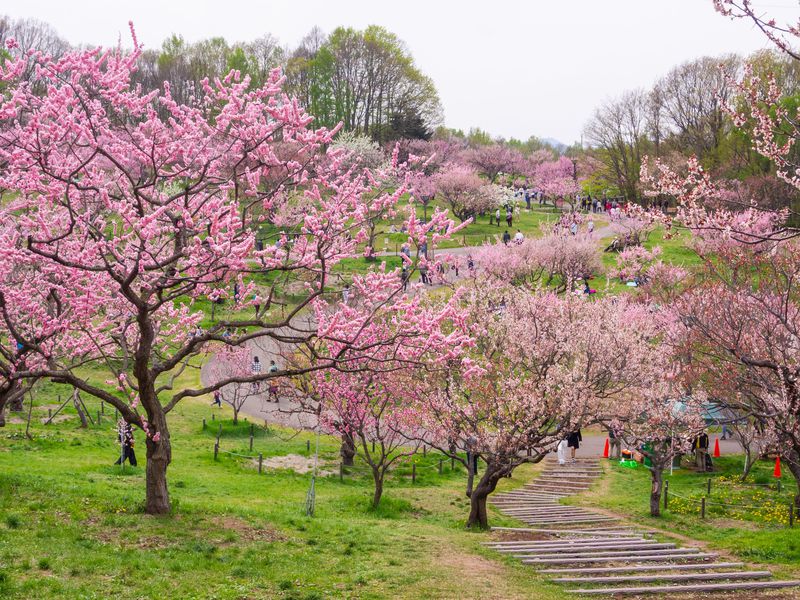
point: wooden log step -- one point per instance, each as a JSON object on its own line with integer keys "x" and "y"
{"x": 657, "y": 550}
{"x": 596, "y": 550}
{"x": 625, "y": 558}
{"x": 639, "y": 568}
{"x": 667, "y": 577}
{"x": 579, "y": 542}
{"x": 685, "y": 589}
{"x": 537, "y": 521}
{"x": 550, "y": 510}
{"x": 622, "y": 531}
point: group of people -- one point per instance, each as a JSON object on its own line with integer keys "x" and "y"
{"x": 518, "y": 237}
{"x": 495, "y": 218}
{"x": 571, "y": 442}
{"x": 599, "y": 205}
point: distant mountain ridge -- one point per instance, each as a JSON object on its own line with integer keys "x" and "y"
{"x": 558, "y": 145}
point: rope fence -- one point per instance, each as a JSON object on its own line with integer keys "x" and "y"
{"x": 396, "y": 470}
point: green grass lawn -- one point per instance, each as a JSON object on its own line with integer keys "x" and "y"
{"x": 71, "y": 524}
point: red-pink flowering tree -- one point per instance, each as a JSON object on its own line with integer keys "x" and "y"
{"x": 382, "y": 345}
{"x": 557, "y": 179}
{"x": 465, "y": 193}
{"x": 661, "y": 422}
{"x": 492, "y": 160}
{"x": 144, "y": 206}
{"x": 555, "y": 260}
{"x": 542, "y": 366}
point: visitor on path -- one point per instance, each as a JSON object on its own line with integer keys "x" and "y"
{"x": 701, "y": 451}
{"x": 616, "y": 445}
{"x": 497, "y": 217}
{"x": 404, "y": 276}
{"x": 527, "y": 199}
{"x": 217, "y": 399}
{"x": 272, "y": 392}
{"x": 470, "y": 264}
{"x": 423, "y": 274}
{"x": 125, "y": 438}
{"x": 255, "y": 369}
{"x": 236, "y": 292}
{"x": 573, "y": 229}
{"x": 518, "y": 237}
{"x": 574, "y": 440}
{"x": 506, "y": 237}
{"x": 345, "y": 298}
{"x": 586, "y": 289}
{"x": 590, "y": 226}
{"x": 561, "y": 452}
{"x": 509, "y": 217}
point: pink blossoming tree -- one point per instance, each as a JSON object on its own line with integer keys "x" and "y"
{"x": 139, "y": 206}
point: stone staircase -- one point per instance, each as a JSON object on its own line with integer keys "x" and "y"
{"x": 602, "y": 555}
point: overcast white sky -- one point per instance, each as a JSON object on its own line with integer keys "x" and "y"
{"x": 512, "y": 67}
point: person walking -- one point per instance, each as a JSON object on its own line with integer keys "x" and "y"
{"x": 217, "y": 399}
{"x": 273, "y": 387}
{"x": 497, "y": 217}
{"x": 345, "y": 298}
{"x": 590, "y": 226}
{"x": 561, "y": 452}
{"x": 573, "y": 229}
{"x": 518, "y": 237}
{"x": 506, "y": 237}
{"x": 255, "y": 369}
{"x": 616, "y": 445}
{"x": 125, "y": 438}
{"x": 701, "y": 451}
{"x": 574, "y": 440}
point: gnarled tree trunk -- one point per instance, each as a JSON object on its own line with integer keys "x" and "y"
{"x": 159, "y": 455}
{"x": 348, "y": 450}
{"x": 656, "y": 475}
{"x": 377, "y": 477}
{"x": 487, "y": 484}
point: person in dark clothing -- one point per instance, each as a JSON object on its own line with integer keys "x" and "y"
{"x": 574, "y": 440}
{"x": 506, "y": 237}
{"x": 217, "y": 399}
{"x": 616, "y": 445}
{"x": 701, "y": 451}
{"x": 125, "y": 437}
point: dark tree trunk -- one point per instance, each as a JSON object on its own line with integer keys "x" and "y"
{"x": 793, "y": 464}
{"x": 377, "y": 477}
{"x": 159, "y": 455}
{"x": 656, "y": 474}
{"x": 235, "y": 416}
{"x": 487, "y": 484}
{"x": 348, "y": 450}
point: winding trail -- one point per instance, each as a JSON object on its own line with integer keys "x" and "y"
{"x": 594, "y": 553}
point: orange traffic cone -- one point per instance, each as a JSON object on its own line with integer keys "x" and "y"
{"x": 777, "y": 471}
{"x": 716, "y": 448}
{"x": 605, "y": 450}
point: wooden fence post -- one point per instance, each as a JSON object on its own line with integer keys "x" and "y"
{"x": 260, "y": 462}
{"x": 219, "y": 433}
{"x": 708, "y": 486}
{"x": 341, "y": 471}
{"x": 413, "y": 472}
{"x": 779, "y": 486}
{"x": 213, "y": 417}
{"x": 102, "y": 407}
{"x": 308, "y": 445}
{"x": 204, "y": 424}
{"x": 666, "y": 494}
{"x": 98, "y": 417}
{"x": 703, "y": 507}
{"x": 440, "y": 466}
{"x": 251, "y": 441}
{"x": 49, "y": 413}
{"x": 216, "y": 450}
{"x": 252, "y": 430}
{"x": 452, "y": 463}
{"x": 791, "y": 513}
